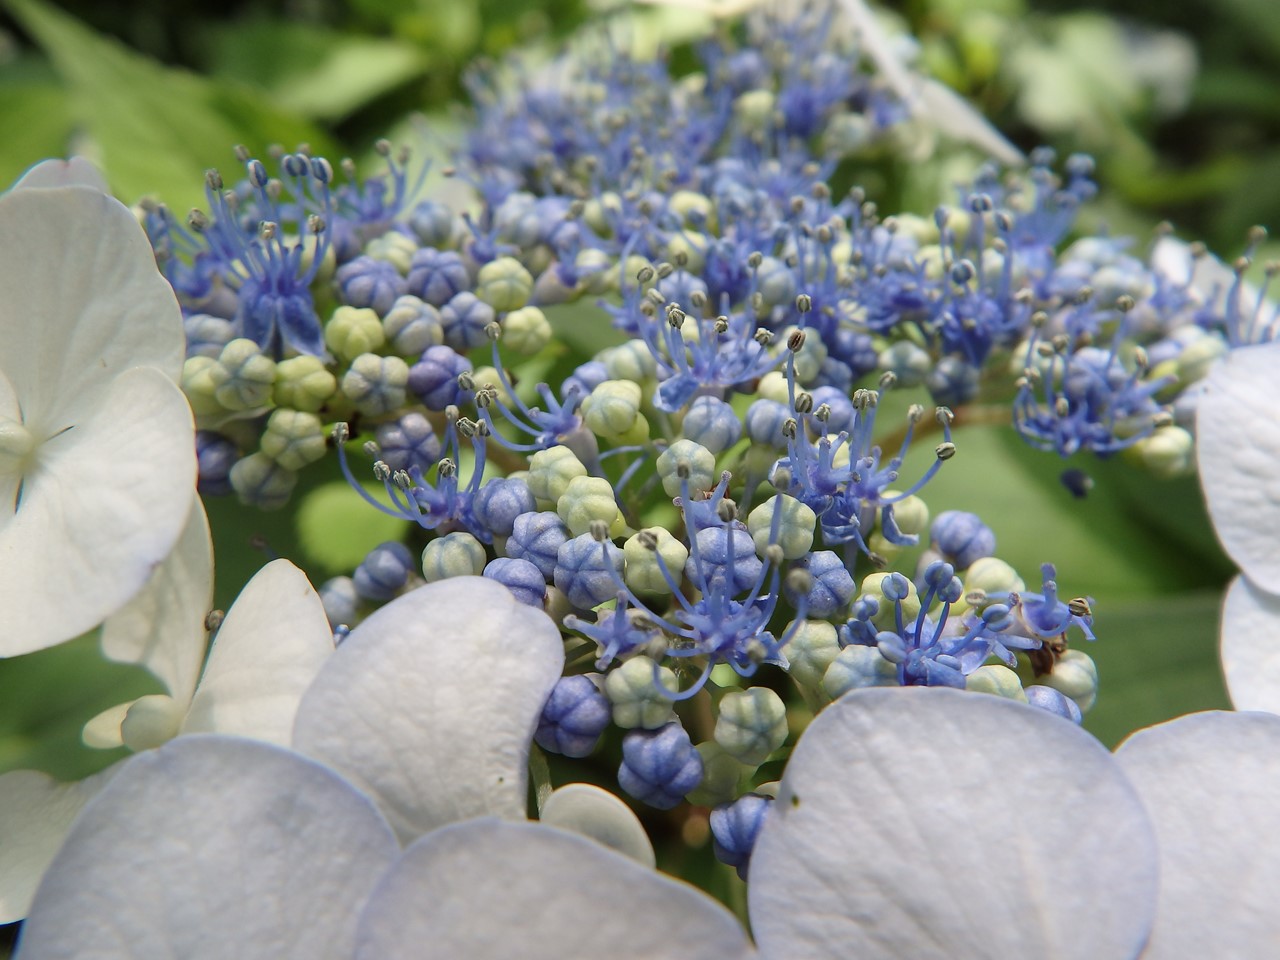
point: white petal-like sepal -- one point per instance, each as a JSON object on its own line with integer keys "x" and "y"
{"x": 430, "y": 705}
{"x": 600, "y": 815}
{"x": 213, "y": 847}
{"x": 928, "y": 822}
{"x": 1210, "y": 783}
{"x": 273, "y": 642}
{"x": 1238, "y": 454}
{"x": 1250, "y": 647}
{"x": 491, "y": 889}
{"x": 36, "y": 812}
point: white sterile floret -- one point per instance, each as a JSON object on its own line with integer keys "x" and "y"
{"x": 636, "y": 701}
{"x": 998, "y": 680}
{"x": 795, "y": 526}
{"x": 97, "y": 464}
{"x": 752, "y": 724}
{"x": 643, "y": 574}
{"x": 856, "y": 667}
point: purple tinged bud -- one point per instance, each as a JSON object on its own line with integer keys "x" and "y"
{"x": 659, "y": 766}
{"x": 340, "y": 599}
{"x": 574, "y": 717}
{"x": 384, "y": 571}
{"x": 962, "y": 538}
{"x": 499, "y": 502}
{"x": 437, "y": 276}
{"x": 734, "y": 828}
{"x": 522, "y": 578}
{"x": 537, "y": 537}
{"x": 831, "y": 587}
{"x": 434, "y": 378}
{"x": 215, "y": 456}
{"x": 1047, "y": 698}
{"x": 712, "y": 423}
{"x": 464, "y": 319}
{"x": 366, "y": 282}
{"x": 581, "y": 573}
{"x": 409, "y": 442}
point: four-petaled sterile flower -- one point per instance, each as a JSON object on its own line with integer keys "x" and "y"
{"x": 97, "y": 465}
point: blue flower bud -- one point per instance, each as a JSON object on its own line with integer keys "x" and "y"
{"x": 432, "y": 222}
{"x": 711, "y": 564}
{"x": 340, "y": 599}
{"x": 464, "y": 319}
{"x": 522, "y": 578}
{"x": 581, "y": 573}
{"x": 409, "y": 442}
{"x": 366, "y": 282}
{"x": 411, "y": 326}
{"x": 713, "y": 424}
{"x": 215, "y": 455}
{"x": 537, "y": 537}
{"x": 585, "y": 378}
{"x": 765, "y": 421}
{"x": 574, "y": 717}
{"x": 437, "y": 276}
{"x": 207, "y": 335}
{"x": 383, "y": 571}
{"x": 831, "y": 588}
{"x": 840, "y": 417}
{"x": 659, "y": 766}
{"x": 952, "y": 382}
{"x": 499, "y": 502}
{"x": 962, "y": 538}
{"x": 1047, "y": 698}
{"x": 734, "y": 828}
{"x": 434, "y": 378}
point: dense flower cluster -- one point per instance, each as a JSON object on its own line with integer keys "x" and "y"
{"x": 760, "y": 325}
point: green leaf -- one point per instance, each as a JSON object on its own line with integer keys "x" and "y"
{"x": 157, "y": 128}
{"x": 312, "y": 71}
{"x": 35, "y": 122}
{"x": 51, "y": 694}
{"x": 336, "y": 528}
{"x": 1157, "y": 659}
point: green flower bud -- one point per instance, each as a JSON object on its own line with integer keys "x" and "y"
{"x": 1168, "y": 453}
{"x": 550, "y": 472}
{"x": 908, "y": 362}
{"x": 773, "y": 386}
{"x": 846, "y": 134}
{"x": 504, "y": 284}
{"x": 393, "y": 247}
{"x": 911, "y": 514}
{"x": 809, "y": 357}
{"x": 795, "y": 529}
{"x": 643, "y": 575}
{"x": 754, "y": 110}
{"x": 636, "y": 701}
{"x": 630, "y": 361}
{"x": 261, "y": 482}
{"x": 721, "y": 776}
{"x": 200, "y": 386}
{"x": 1194, "y": 360}
{"x": 697, "y": 459}
{"x": 776, "y": 282}
{"x": 352, "y": 331}
{"x": 812, "y": 648}
{"x": 1076, "y": 676}
{"x": 996, "y": 679}
{"x": 376, "y": 385}
{"x": 294, "y": 439}
{"x": 243, "y": 377}
{"x": 884, "y": 618}
{"x": 992, "y": 575}
{"x": 598, "y": 213}
{"x": 526, "y": 330}
{"x": 597, "y": 270}
{"x": 855, "y": 668}
{"x": 585, "y": 500}
{"x": 303, "y": 383}
{"x": 612, "y": 412}
{"x": 752, "y": 724}
{"x": 694, "y": 209}
{"x": 411, "y": 326}
{"x": 453, "y": 555}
